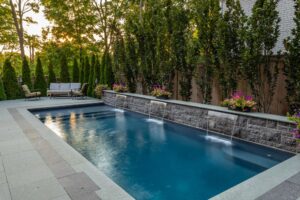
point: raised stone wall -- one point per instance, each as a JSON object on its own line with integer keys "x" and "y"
{"x": 269, "y": 130}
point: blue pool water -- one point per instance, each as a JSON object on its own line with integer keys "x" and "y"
{"x": 158, "y": 161}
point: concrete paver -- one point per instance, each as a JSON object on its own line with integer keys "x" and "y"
{"x": 4, "y": 192}
{"x": 46, "y": 189}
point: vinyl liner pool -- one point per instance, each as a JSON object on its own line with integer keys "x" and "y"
{"x": 159, "y": 161}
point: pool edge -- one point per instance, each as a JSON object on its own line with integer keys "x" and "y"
{"x": 262, "y": 183}
{"x": 250, "y": 188}
{"x": 108, "y": 188}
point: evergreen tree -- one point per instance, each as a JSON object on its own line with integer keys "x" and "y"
{"x": 40, "y": 82}
{"x": 292, "y": 63}
{"x": 26, "y": 77}
{"x": 103, "y": 69}
{"x": 92, "y": 77}
{"x": 86, "y": 70}
{"x": 131, "y": 64}
{"x": 179, "y": 48}
{"x": 261, "y": 37}
{"x": 64, "y": 70}
{"x": 82, "y": 66}
{"x": 231, "y": 45}
{"x": 119, "y": 57}
{"x": 10, "y": 83}
{"x": 75, "y": 74}
{"x": 207, "y": 16}
{"x": 109, "y": 75}
{"x": 2, "y": 91}
{"x": 51, "y": 74}
{"x": 97, "y": 70}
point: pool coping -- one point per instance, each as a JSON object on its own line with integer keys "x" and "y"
{"x": 266, "y": 116}
{"x": 108, "y": 189}
{"x": 250, "y": 189}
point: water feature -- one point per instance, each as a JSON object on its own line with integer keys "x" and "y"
{"x": 233, "y": 129}
{"x": 119, "y": 97}
{"x": 160, "y": 105}
{"x": 215, "y": 116}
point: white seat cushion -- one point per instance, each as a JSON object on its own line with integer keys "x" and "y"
{"x": 54, "y": 86}
{"x": 65, "y": 86}
{"x": 75, "y": 86}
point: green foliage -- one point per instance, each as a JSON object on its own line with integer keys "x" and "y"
{"x": 10, "y": 83}
{"x": 51, "y": 74}
{"x": 119, "y": 58}
{"x": 92, "y": 77}
{"x": 2, "y": 91}
{"x": 64, "y": 70}
{"x": 102, "y": 70}
{"x": 40, "y": 82}
{"x": 86, "y": 70}
{"x": 82, "y": 65}
{"x": 26, "y": 78}
{"x": 99, "y": 90}
{"x": 292, "y": 62}
{"x": 75, "y": 74}
{"x": 261, "y": 37}
{"x": 97, "y": 70}
{"x": 108, "y": 71}
{"x": 131, "y": 63}
{"x": 8, "y": 35}
{"x": 179, "y": 48}
{"x": 231, "y": 45}
{"x": 207, "y": 17}
{"x": 73, "y": 19}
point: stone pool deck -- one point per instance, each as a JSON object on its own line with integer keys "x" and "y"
{"x": 35, "y": 164}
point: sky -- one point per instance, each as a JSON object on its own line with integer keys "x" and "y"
{"x": 36, "y": 29}
{"x": 42, "y": 22}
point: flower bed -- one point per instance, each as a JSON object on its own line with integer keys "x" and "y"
{"x": 161, "y": 93}
{"x": 240, "y": 102}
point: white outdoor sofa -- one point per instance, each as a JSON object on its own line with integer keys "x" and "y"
{"x": 62, "y": 89}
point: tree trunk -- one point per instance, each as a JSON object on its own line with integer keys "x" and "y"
{"x": 19, "y": 26}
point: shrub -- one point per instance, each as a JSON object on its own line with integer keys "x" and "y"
{"x": 64, "y": 71}
{"x": 75, "y": 74}
{"x": 2, "y": 91}
{"x": 26, "y": 73}
{"x": 296, "y": 119}
{"x": 51, "y": 74}
{"x": 40, "y": 83}
{"x": 99, "y": 89}
{"x": 10, "y": 81}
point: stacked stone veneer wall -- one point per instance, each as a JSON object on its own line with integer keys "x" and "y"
{"x": 254, "y": 129}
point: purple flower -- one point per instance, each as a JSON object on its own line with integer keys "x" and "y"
{"x": 249, "y": 98}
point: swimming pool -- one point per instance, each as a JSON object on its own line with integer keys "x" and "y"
{"x": 158, "y": 160}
